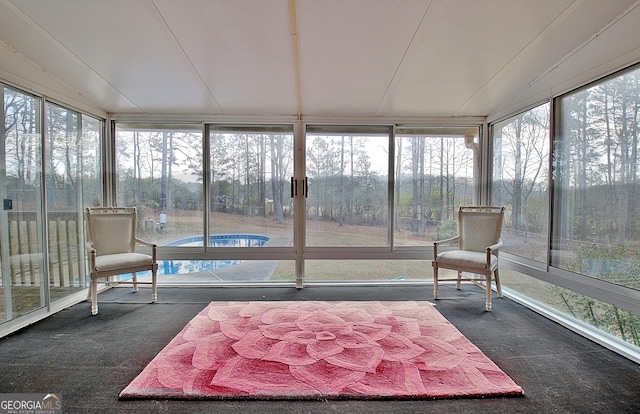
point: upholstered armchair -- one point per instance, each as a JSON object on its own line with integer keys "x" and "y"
{"x": 112, "y": 245}
{"x": 478, "y": 242}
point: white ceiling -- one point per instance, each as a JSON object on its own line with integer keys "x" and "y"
{"x": 346, "y": 58}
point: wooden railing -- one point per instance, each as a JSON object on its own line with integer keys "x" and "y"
{"x": 67, "y": 266}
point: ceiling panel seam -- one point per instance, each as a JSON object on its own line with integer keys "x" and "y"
{"x": 188, "y": 59}
{"x": 406, "y": 56}
{"x": 295, "y": 48}
{"x": 521, "y": 53}
{"x": 573, "y": 52}
{"x": 33, "y": 24}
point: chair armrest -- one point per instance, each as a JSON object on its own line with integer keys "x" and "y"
{"x": 150, "y": 244}
{"x": 444, "y": 241}
{"x": 449, "y": 240}
{"x": 92, "y": 254}
{"x": 144, "y": 242}
{"x": 496, "y": 246}
{"x": 493, "y": 248}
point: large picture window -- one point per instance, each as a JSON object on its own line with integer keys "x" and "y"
{"x": 520, "y": 171}
{"x": 596, "y": 155}
{"x": 160, "y": 173}
{"x": 435, "y": 172}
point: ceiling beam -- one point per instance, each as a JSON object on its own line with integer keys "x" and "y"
{"x": 293, "y": 30}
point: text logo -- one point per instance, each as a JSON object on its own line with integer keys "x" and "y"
{"x": 30, "y": 404}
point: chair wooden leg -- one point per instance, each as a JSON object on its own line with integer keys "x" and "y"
{"x": 93, "y": 291}
{"x": 459, "y": 280}
{"x": 154, "y": 286}
{"x": 435, "y": 282}
{"x": 488, "y": 286}
{"x": 135, "y": 281}
{"x": 497, "y": 279}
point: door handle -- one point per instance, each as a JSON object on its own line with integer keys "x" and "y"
{"x": 294, "y": 187}
{"x": 305, "y": 188}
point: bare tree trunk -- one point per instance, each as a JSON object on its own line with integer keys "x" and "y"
{"x": 517, "y": 179}
{"x": 341, "y": 208}
{"x": 397, "y": 183}
{"x": 582, "y": 174}
{"x": 352, "y": 201}
{"x": 633, "y": 173}
{"x": 163, "y": 174}
{"x": 169, "y": 170}
{"x": 415, "y": 164}
{"x": 423, "y": 226}
{"x": 610, "y": 179}
{"x": 247, "y": 176}
{"x": 277, "y": 178}
{"x": 441, "y": 206}
{"x": 262, "y": 175}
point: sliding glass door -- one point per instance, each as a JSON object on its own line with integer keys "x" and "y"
{"x": 251, "y": 205}
{"x": 24, "y": 287}
{"x": 250, "y": 175}
{"x": 379, "y": 196}
{"x": 217, "y": 203}
{"x": 231, "y": 203}
{"x": 41, "y": 227}
{"x": 72, "y": 179}
{"x": 347, "y": 183}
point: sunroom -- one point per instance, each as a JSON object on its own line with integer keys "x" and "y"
{"x": 309, "y": 143}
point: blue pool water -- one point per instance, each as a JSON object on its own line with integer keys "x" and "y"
{"x": 172, "y": 267}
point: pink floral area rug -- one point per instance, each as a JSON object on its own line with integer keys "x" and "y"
{"x": 320, "y": 350}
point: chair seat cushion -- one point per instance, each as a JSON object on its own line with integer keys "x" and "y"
{"x": 466, "y": 258}
{"x": 115, "y": 261}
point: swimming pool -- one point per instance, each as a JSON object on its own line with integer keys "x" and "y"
{"x": 173, "y": 267}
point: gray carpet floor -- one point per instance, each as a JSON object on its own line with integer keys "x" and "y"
{"x": 88, "y": 359}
